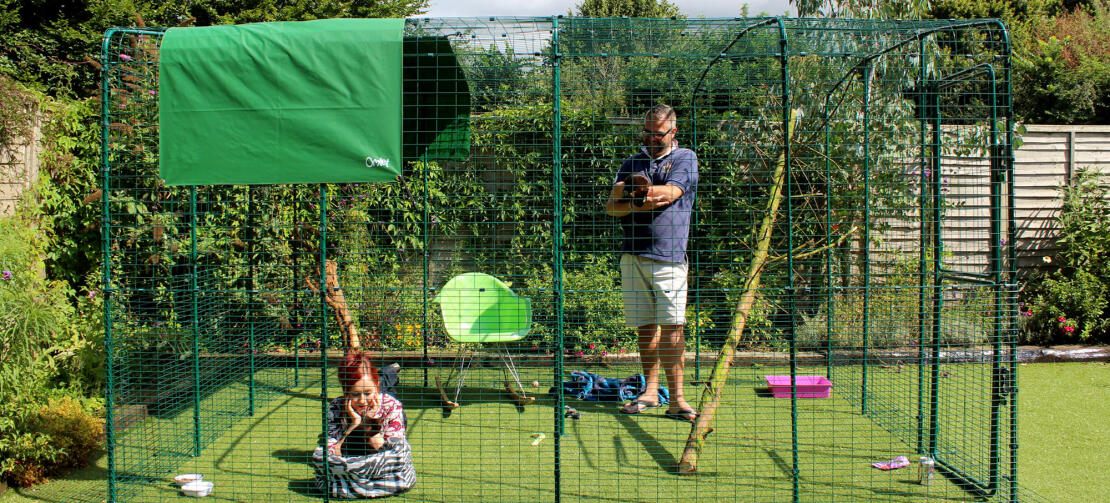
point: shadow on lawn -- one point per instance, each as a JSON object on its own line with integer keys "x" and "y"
{"x": 306, "y": 487}
{"x": 420, "y": 398}
{"x": 294, "y": 455}
{"x": 658, "y": 453}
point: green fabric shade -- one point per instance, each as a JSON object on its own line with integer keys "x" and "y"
{"x": 281, "y": 103}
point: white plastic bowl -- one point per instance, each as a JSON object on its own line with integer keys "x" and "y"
{"x": 197, "y": 489}
{"x": 185, "y": 478}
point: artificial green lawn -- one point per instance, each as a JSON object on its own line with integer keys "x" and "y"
{"x": 483, "y": 451}
{"x": 1064, "y": 420}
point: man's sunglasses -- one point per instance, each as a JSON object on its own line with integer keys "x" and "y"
{"x": 658, "y": 135}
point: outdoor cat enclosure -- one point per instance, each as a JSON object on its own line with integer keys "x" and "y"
{"x": 854, "y": 205}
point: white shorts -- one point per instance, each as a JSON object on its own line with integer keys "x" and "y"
{"x": 654, "y": 291}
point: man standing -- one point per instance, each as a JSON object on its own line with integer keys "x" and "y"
{"x": 653, "y": 195}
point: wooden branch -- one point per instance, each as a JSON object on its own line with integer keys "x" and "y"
{"x": 818, "y": 250}
{"x": 333, "y": 296}
{"x": 447, "y": 403}
{"x": 711, "y": 395}
{"x": 521, "y": 398}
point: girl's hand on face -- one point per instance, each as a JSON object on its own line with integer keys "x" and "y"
{"x": 355, "y": 417}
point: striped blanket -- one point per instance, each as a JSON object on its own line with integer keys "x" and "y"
{"x": 386, "y": 472}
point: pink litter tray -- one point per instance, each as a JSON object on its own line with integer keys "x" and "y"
{"x": 808, "y": 386}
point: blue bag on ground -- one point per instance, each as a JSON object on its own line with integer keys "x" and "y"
{"x": 594, "y": 388}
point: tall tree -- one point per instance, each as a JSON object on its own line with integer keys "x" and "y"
{"x": 870, "y": 9}
{"x": 628, "y": 8}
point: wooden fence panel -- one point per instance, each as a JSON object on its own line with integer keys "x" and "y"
{"x": 1047, "y": 160}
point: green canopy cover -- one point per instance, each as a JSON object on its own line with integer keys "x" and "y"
{"x": 281, "y": 103}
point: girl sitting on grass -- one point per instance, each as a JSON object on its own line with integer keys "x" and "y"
{"x": 368, "y": 455}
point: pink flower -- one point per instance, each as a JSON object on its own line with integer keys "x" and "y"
{"x": 6, "y": 275}
{"x": 603, "y": 353}
{"x": 92, "y": 293}
{"x": 124, "y": 57}
{"x": 1061, "y": 319}
{"x": 1069, "y": 329}
{"x": 591, "y": 346}
{"x": 579, "y": 354}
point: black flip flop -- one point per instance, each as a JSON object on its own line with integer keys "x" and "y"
{"x": 641, "y": 405}
{"x": 684, "y": 415}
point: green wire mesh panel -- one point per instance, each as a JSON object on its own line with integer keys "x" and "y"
{"x": 860, "y": 170}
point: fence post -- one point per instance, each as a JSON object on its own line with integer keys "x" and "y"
{"x": 557, "y": 247}
{"x": 1069, "y": 167}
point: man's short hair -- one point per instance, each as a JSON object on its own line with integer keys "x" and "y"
{"x": 660, "y": 112}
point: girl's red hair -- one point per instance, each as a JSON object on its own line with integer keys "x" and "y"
{"x": 354, "y": 367}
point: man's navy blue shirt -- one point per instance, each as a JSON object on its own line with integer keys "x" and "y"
{"x": 661, "y": 234}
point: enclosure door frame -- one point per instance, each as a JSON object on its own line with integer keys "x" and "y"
{"x": 994, "y": 279}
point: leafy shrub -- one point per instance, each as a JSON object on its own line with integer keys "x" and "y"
{"x": 64, "y": 200}
{"x": 25, "y": 455}
{"x": 1063, "y": 67}
{"x": 48, "y": 440}
{"x": 1072, "y": 303}
{"x": 74, "y": 431}
{"x": 48, "y": 356}
{"x": 35, "y": 313}
{"x": 593, "y": 310}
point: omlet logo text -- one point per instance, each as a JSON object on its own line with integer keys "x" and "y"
{"x": 377, "y": 162}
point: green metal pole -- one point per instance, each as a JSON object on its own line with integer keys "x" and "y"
{"x": 296, "y": 217}
{"x": 938, "y": 298}
{"x": 426, "y": 257}
{"x": 866, "y": 234}
{"x": 195, "y": 317}
{"x": 1012, "y": 256}
{"x": 297, "y": 347}
{"x": 697, "y": 256}
{"x": 922, "y": 108}
{"x": 251, "y": 237}
{"x": 829, "y": 309}
{"x": 999, "y": 381}
{"x": 324, "y": 335}
{"x": 557, "y": 247}
{"x": 784, "y": 59}
{"x": 106, "y": 266}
